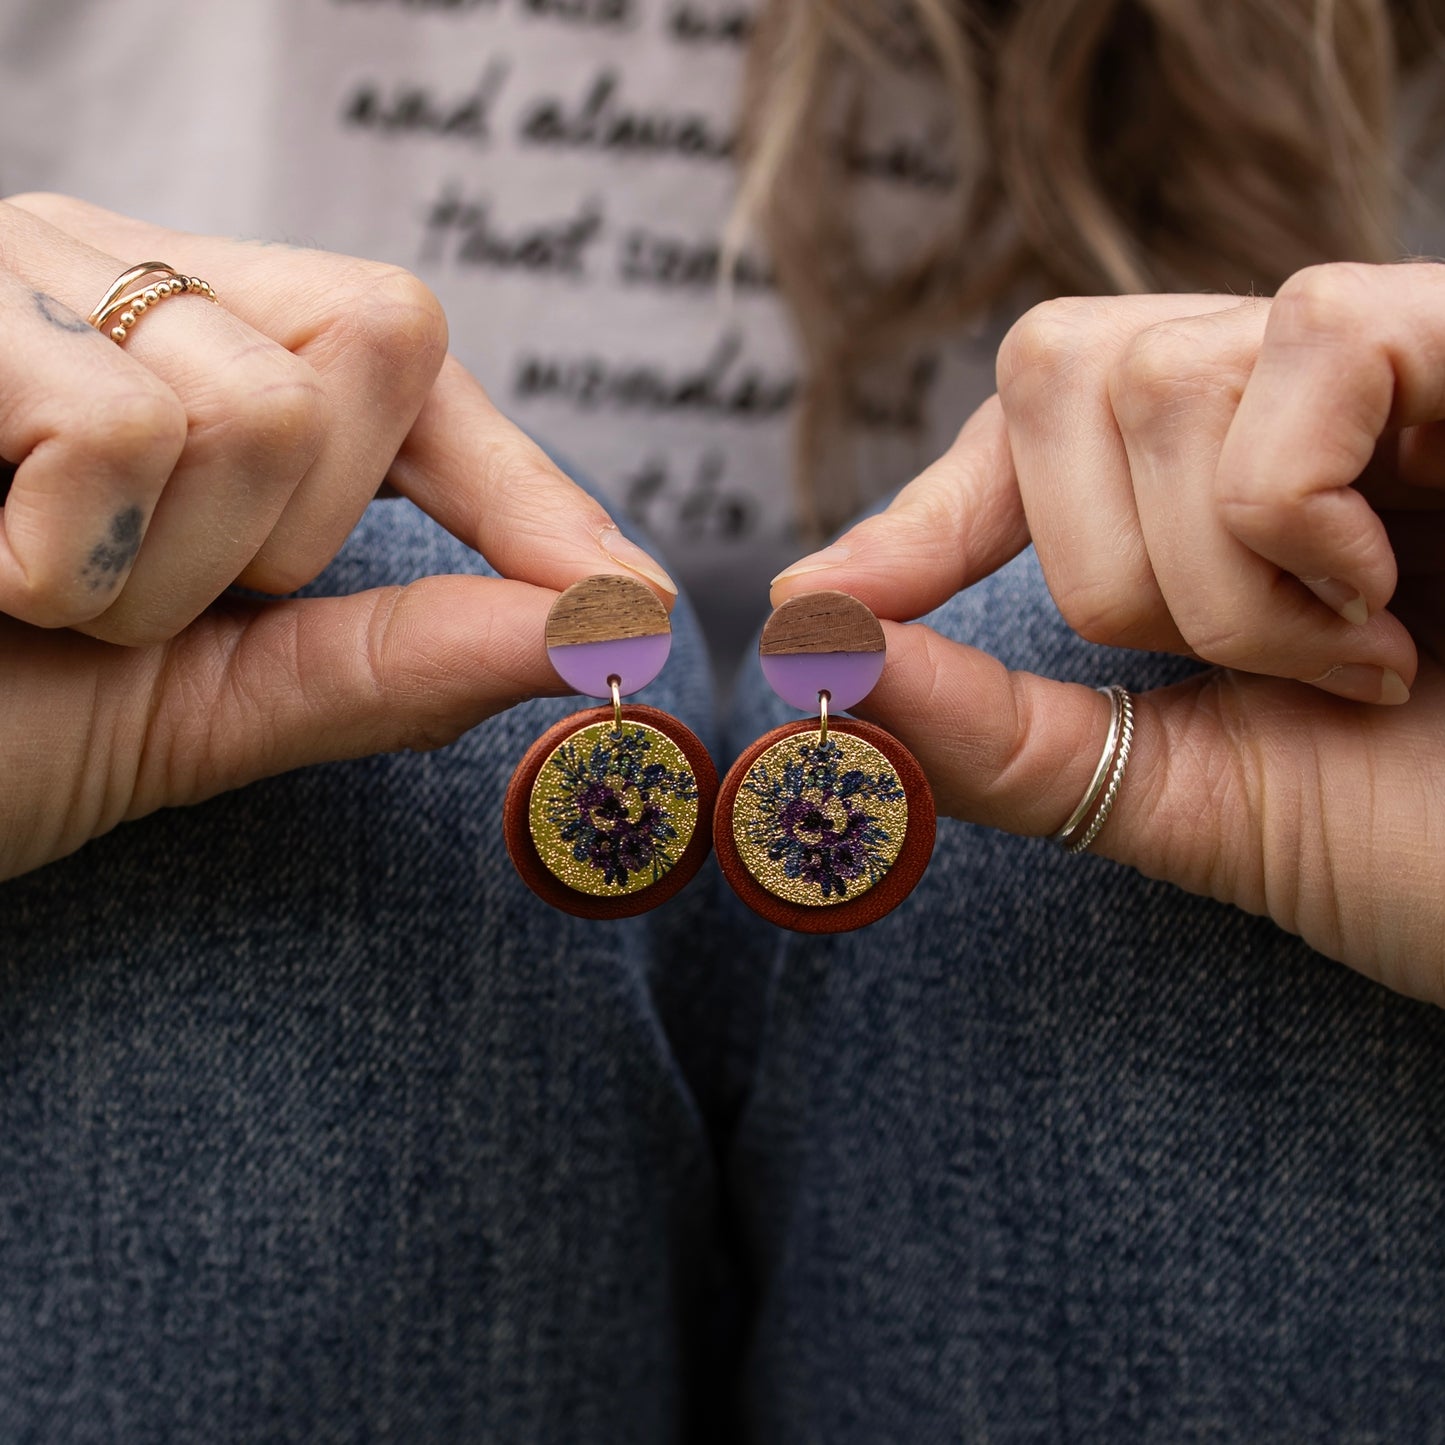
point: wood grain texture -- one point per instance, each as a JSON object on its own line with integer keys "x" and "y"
{"x": 884, "y": 896}
{"x": 516, "y": 825}
{"x": 821, "y": 622}
{"x": 604, "y": 609}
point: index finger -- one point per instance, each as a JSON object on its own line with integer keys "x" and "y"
{"x": 955, "y": 523}
{"x": 492, "y": 487}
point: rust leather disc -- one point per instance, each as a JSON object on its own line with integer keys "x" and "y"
{"x": 523, "y": 850}
{"x": 847, "y": 913}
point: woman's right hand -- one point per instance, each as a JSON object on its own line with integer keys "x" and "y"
{"x": 232, "y": 443}
{"x": 1245, "y": 482}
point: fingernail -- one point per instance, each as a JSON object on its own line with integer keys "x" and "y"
{"x": 1393, "y": 690}
{"x": 1339, "y": 597}
{"x": 816, "y": 562}
{"x": 1360, "y": 682}
{"x": 631, "y": 556}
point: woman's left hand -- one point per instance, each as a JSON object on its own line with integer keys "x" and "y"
{"x": 1260, "y": 484}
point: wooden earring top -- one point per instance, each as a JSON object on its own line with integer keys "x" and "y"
{"x": 821, "y": 622}
{"x": 606, "y": 609}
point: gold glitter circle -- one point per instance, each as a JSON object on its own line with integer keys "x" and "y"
{"x": 810, "y": 821}
{"x": 599, "y": 759}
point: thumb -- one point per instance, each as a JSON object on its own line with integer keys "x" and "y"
{"x": 1016, "y": 751}
{"x": 251, "y": 691}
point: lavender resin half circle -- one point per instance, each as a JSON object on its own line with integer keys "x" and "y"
{"x": 798, "y": 677}
{"x": 586, "y": 666}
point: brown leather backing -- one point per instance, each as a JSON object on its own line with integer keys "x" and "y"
{"x": 883, "y": 896}
{"x": 523, "y": 851}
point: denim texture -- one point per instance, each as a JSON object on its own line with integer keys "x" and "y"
{"x": 316, "y": 1126}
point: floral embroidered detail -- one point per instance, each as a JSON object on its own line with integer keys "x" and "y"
{"x": 824, "y": 822}
{"x": 614, "y": 804}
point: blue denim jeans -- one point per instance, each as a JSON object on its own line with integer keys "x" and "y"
{"x": 316, "y": 1126}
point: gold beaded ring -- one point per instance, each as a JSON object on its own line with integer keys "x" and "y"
{"x": 134, "y": 303}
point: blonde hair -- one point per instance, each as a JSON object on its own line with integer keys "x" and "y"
{"x": 1093, "y": 147}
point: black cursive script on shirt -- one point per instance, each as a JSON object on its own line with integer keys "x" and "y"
{"x": 408, "y": 108}
{"x": 900, "y": 406}
{"x": 466, "y": 232}
{"x": 602, "y": 121}
{"x": 651, "y": 258}
{"x": 722, "y": 385}
{"x": 694, "y": 23}
{"x": 695, "y": 507}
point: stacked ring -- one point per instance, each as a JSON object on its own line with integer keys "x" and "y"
{"x": 126, "y": 300}
{"x": 1097, "y": 803}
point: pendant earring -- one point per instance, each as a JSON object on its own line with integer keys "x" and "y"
{"x": 826, "y": 824}
{"x": 610, "y": 812}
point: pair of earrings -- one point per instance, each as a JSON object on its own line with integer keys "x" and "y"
{"x": 822, "y": 825}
